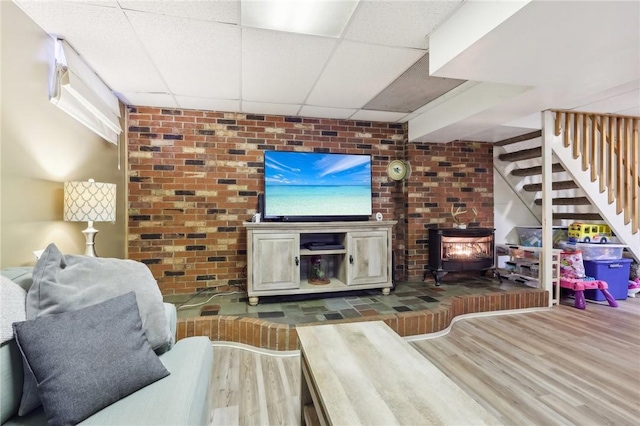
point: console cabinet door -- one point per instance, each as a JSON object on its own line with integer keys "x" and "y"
{"x": 276, "y": 261}
{"x": 367, "y": 257}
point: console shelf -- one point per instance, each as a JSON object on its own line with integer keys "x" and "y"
{"x": 307, "y": 252}
{"x": 278, "y": 260}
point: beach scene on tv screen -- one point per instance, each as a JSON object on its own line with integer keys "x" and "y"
{"x": 312, "y": 184}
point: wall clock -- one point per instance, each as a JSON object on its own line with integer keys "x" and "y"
{"x": 397, "y": 170}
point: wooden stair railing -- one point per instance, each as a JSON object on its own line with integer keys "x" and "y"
{"x": 608, "y": 147}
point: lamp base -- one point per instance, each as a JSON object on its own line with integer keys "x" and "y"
{"x": 90, "y": 233}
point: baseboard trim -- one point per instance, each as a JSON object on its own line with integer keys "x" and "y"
{"x": 249, "y": 348}
{"x": 470, "y": 316}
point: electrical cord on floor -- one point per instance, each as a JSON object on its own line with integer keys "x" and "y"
{"x": 209, "y": 299}
{"x": 196, "y": 294}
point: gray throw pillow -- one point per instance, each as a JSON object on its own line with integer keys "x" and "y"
{"x": 87, "y": 359}
{"x": 63, "y": 283}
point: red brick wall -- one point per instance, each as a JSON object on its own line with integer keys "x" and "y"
{"x": 458, "y": 174}
{"x": 195, "y": 176}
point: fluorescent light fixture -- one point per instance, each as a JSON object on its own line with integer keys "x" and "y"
{"x": 316, "y": 17}
{"x": 78, "y": 91}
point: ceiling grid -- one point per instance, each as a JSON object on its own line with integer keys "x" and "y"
{"x": 200, "y": 55}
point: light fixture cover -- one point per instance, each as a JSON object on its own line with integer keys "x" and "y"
{"x": 315, "y": 17}
{"x": 77, "y": 90}
{"x": 89, "y": 201}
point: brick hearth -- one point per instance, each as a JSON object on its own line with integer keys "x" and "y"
{"x": 282, "y": 337}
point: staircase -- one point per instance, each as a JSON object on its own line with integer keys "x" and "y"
{"x": 594, "y": 171}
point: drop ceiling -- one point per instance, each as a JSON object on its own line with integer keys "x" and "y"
{"x": 451, "y": 69}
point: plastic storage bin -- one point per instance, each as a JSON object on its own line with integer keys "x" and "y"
{"x": 614, "y": 272}
{"x": 596, "y": 251}
{"x": 531, "y": 236}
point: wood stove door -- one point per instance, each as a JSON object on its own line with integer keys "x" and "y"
{"x": 367, "y": 254}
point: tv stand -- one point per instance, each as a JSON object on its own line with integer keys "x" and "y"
{"x": 357, "y": 257}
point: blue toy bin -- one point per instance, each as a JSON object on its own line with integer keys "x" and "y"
{"x": 614, "y": 272}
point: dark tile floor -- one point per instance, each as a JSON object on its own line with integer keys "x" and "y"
{"x": 300, "y": 309}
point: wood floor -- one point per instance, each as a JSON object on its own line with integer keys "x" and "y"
{"x": 563, "y": 366}
{"x": 250, "y": 388}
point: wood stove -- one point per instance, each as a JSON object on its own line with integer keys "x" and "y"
{"x": 460, "y": 250}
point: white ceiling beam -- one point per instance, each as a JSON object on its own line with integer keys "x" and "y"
{"x": 473, "y": 98}
{"x": 470, "y": 23}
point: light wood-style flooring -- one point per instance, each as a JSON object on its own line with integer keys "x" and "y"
{"x": 251, "y": 388}
{"x": 563, "y": 366}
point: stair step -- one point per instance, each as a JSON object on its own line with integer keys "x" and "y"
{"x": 569, "y": 201}
{"x": 565, "y": 184}
{"x": 579, "y": 217}
{"x": 520, "y": 138}
{"x": 525, "y": 154}
{"x": 537, "y": 170}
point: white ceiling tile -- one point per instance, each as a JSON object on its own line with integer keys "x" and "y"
{"x": 357, "y": 72}
{"x": 269, "y": 108}
{"x": 398, "y": 23}
{"x": 102, "y": 3}
{"x": 209, "y": 104}
{"x": 163, "y": 100}
{"x": 104, "y": 38}
{"x": 201, "y": 58}
{"x": 281, "y": 67}
{"x": 196, "y": 58}
{"x": 325, "y": 112}
{"x": 382, "y": 116}
{"x": 217, "y": 11}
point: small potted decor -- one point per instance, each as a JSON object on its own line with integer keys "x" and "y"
{"x": 317, "y": 272}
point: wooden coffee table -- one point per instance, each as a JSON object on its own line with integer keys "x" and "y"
{"x": 364, "y": 373}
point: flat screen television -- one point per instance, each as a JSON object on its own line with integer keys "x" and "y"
{"x": 303, "y": 186}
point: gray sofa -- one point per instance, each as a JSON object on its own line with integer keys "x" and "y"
{"x": 181, "y": 398}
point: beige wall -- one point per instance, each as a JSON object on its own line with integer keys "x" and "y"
{"x": 42, "y": 147}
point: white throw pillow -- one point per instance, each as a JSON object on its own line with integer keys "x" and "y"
{"x": 12, "y": 306}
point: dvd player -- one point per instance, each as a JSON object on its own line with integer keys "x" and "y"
{"x": 323, "y": 246}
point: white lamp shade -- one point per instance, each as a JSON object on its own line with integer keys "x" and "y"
{"x": 89, "y": 201}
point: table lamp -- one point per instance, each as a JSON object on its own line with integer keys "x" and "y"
{"x": 90, "y": 202}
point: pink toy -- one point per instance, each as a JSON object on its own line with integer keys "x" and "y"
{"x": 634, "y": 287}
{"x": 579, "y": 285}
{"x": 571, "y": 264}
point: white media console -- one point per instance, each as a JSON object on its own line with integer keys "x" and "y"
{"x": 357, "y": 256}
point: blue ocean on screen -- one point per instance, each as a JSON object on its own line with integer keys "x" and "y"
{"x": 316, "y": 184}
{"x": 318, "y": 200}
